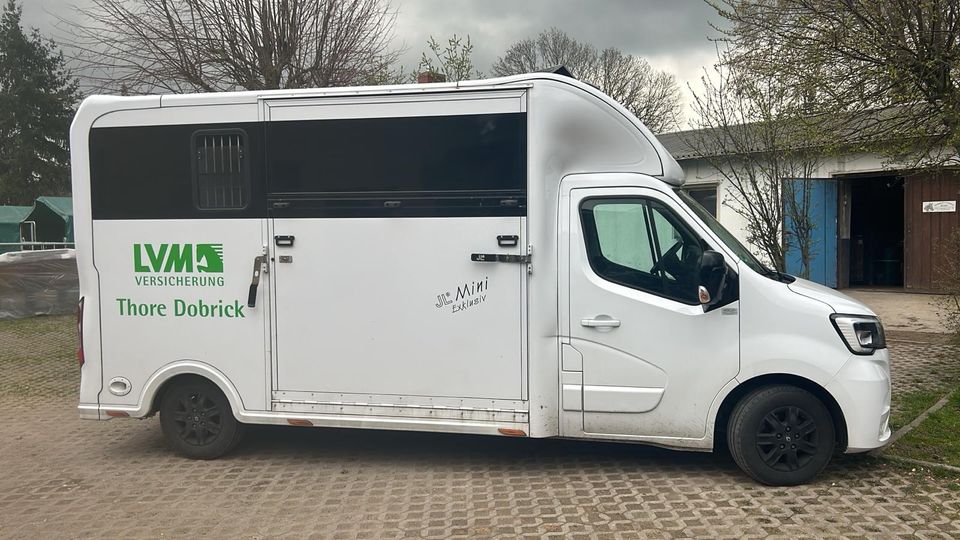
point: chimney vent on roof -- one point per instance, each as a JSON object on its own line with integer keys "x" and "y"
{"x": 431, "y": 77}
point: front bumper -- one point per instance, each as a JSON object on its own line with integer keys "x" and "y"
{"x": 862, "y": 389}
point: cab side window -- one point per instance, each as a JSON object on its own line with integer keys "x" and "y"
{"x": 641, "y": 244}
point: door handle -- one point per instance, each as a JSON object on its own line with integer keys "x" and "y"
{"x": 255, "y": 281}
{"x": 600, "y": 323}
{"x": 283, "y": 240}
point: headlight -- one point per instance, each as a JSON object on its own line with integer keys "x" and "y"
{"x": 862, "y": 334}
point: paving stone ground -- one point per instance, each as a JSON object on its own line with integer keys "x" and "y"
{"x": 62, "y": 477}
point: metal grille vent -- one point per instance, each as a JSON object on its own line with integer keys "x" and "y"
{"x": 221, "y": 170}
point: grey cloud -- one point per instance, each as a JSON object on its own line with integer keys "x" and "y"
{"x": 646, "y": 28}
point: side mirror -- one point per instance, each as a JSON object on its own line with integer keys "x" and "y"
{"x": 713, "y": 276}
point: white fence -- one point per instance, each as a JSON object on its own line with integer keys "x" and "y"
{"x": 33, "y": 246}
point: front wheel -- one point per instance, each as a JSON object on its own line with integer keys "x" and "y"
{"x": 197, "y": 421}
{"x": 781, "y": 435}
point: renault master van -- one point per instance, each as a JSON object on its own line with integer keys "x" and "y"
{"x": 510, "y": 257}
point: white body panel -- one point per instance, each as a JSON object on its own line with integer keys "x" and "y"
{"x": 170, "y": 325}
{"x": 367, "y": 292}
{"x": 349, "y": 333}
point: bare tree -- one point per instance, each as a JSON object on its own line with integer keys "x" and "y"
{"x": 653, "y": 96}
{"x": 751, "y": 131}
{"x": 851, "y": 58}
{"x": 453, "y": 61}
{"x": 553, "y": 47}
{"x": 213, "y": 45}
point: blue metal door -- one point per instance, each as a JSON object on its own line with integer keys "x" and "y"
{"x": 822, "y": 209}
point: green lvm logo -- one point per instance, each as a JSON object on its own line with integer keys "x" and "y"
{"x": 178, "y": 258}
{"x": 178, "y": 265}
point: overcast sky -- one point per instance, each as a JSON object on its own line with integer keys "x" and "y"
{"x": 671, "y": 34}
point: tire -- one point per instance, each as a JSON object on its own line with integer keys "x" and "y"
{"x": 762, "y": 435}
{"x": 197, "y": 420}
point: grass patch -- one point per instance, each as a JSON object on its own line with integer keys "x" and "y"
{"x": 935, "y": 440}
{"x": 39, "y": 356}
{"x": 908, "y": 406}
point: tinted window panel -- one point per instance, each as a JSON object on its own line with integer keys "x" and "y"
{"x": 475, "y": 153}
{"x": 147, "y": 172}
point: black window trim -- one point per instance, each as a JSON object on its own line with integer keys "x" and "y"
{"x": 245, "y": 181}
{"x": 646, "y": 199}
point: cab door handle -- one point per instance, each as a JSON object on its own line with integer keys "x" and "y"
{"x": 600, "y": 323}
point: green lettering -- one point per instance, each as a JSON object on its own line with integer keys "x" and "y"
{"x": 138, "y": 266}
{"x": 180, "y": 258}
{"x": 179, "y": 307}
{"x": 156, "y": 258}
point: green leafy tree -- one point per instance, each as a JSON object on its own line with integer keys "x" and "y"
{"x": 37, "y": 98}
{"x": 453, "y": 61}
{"x": 884, "y": 74}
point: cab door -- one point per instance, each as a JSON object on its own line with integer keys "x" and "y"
{"x": 652, "y": 359}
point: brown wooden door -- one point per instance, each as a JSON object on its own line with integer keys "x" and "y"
{"x": 926, "y": 233}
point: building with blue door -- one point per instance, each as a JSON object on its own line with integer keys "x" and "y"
{"x": 874, "y": 225}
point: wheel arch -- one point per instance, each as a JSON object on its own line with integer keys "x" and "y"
{"x": 169, "y": 375}
{"x": 741, "y": 390}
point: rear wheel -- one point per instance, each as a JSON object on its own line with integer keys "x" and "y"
{"x": 197, "y": 420}
{"x": 781, "y": 435}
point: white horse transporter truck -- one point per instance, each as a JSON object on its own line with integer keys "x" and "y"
{"x": 508, "y": 257}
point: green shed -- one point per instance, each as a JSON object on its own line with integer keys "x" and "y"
{"x": 53, "y": 217}
{"x": 10, "y": 218}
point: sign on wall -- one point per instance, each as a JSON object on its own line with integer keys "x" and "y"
{"x": 939, "y": 206}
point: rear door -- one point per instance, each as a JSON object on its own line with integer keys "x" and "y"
{"x": 178, "y": 222}
{"x": 377, "y": 205}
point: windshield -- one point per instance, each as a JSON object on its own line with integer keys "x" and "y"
{"x": 726, "y": 236}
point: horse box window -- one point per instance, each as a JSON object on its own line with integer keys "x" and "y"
{"x": 477, "y": 154}
{"x": 221, "y": 172}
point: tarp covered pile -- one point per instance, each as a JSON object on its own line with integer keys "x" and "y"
{"x": 38, "y": 283}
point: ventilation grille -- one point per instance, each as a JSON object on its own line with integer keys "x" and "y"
{"x": 221, "y": 170}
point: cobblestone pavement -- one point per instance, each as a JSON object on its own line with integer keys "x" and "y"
{"x": 63, "y": 477}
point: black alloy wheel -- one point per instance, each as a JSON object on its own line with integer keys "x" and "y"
{"x": 197, "y": 420}
{"x": 781, "y": 435}
{"x": 787, "y": 438}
